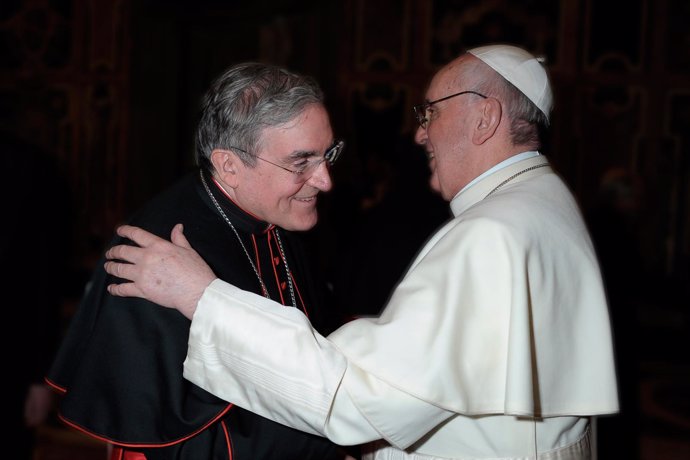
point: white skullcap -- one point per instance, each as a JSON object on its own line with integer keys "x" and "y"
{"x": 520, "y": 68}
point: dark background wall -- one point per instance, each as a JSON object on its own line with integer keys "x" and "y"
{"x": 109, "y": 90}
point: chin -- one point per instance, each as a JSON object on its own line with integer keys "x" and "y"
{"x": 300, "y": 228}
{"x": 301, "y": 224}
{"x": 434, "y": 185}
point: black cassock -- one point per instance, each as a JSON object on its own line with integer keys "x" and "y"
{"x": 120, "y": 362}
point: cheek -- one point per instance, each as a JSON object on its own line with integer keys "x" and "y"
{"x": 293, "y": 190}
{"x": 272, "y": 198}
{"x": 284, "y": 195}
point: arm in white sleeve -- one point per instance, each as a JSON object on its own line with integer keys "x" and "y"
{"x": 268, "y": 359}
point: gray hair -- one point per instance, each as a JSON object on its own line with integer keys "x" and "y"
{"x": 246, "y": 99}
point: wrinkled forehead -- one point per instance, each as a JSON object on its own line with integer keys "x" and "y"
{"x": 450, "y": 78}
{"x": 311, "y": 127}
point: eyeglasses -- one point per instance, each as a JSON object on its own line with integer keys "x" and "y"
{"x": 423, "y": 111}
{"x": 306, "y": 168}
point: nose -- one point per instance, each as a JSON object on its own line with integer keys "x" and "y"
{"x": 321, "y": 178}
{"x": 420, "y": 136}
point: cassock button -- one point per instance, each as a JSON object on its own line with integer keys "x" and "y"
{"x": 283, "y": 285}
{"x": 276, "y": 261}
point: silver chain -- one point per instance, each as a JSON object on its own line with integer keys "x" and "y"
{"x": 287, "y": 269}
{"x": 514, "y": 176}
{"x": 244, "y": 248}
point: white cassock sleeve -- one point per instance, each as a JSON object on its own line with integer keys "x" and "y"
{"x": 268, "y": 359}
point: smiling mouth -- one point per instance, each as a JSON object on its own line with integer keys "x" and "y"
{"x": 307, "y": 199}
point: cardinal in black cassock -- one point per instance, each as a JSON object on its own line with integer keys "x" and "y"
{"x": 120, "y": 363}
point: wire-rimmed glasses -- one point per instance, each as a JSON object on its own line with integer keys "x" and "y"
{"x": 305, "y": 169}
{"x": 423, "y": 111}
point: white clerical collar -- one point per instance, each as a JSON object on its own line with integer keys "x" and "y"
{"x": 501, "y": 165}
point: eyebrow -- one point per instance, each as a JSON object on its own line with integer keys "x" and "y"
{"x": 301, "y": 154}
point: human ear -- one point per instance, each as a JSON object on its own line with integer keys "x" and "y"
{"x": 225, "y": 166}
{"x": 489, "y": 120}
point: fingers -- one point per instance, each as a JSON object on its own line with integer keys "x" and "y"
{"x": 124, "y": 252}
{"x": 125, "y": 290}
{"x": 178, "y": 238}
{"x": 138, "y": 235}
{"x": 124, "y": 271}
{"x": 121, "y": 270}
